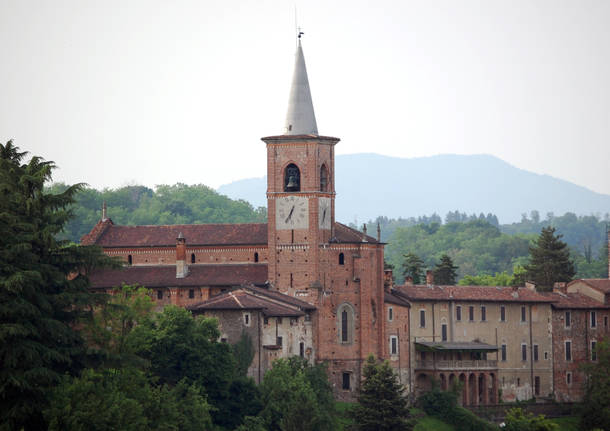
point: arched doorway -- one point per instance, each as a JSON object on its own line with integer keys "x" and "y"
{"x": 464, "y": 396}
{"x": 473, "y": 397}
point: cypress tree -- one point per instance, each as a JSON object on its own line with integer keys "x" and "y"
{"x": 549, "y": 260}
{"x": 43, "y": 289}
{"x": 445, "y": 271}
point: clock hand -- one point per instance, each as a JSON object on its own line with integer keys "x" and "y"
{"x": 290, "y": 214}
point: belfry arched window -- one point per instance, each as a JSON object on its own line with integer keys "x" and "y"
{"x": 192, "y": 257}
{"x": 345, "y": 323}
{"x": 292, "y": 178}
{"x": 323, "y": 179}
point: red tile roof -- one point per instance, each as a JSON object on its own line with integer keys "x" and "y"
{"x": 96, "y": 232}
{"x": 347, "y": 234}
{"x": 574, "y": 301}
{"x": 281, "y": 297}
{"x": 165, "y": 276}
{"x": 471, "y": 293}
{"x": 241, "y": 299}
{"x": 395, "y": 298}
{"x": 601, "y": 284}
{"x": 165, "y": 235}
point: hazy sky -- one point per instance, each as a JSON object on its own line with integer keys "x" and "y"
{"x": 122, "y": 91}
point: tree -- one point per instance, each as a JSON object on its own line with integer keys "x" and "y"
{"x": 243, "y": 351}
{"x": 596, "y": 406}
{"x": 43, "y": 288}
{"x": 549, "y": 260}
{"x": 445, "y": 271}
{"x": 413, "y": 266}
{"x": 519, "y": 420}
{"x": 381, "y": 405}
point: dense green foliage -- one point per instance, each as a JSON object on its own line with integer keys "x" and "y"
{"x": 381, "y": 405}
{"x": 43, "y": 292}
{"x": 297, "y": 396}
{"x": 549, "y": 260}
{"x": 519, "y": 420}
{"x": 140, "y": 205}
{"x": 445, "y": 272}
{"x": 596, "y": 406}
{"x": 243, "y": 351}
{"x": 443, "y": 405}
{"x": 413, "y": 266}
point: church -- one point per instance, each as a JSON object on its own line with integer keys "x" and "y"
{"x": 302, "y": 283}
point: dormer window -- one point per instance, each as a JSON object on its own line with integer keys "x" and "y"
{"x": 292, "y": 178}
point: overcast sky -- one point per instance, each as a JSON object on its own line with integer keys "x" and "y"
{"x": 152, "y": 92}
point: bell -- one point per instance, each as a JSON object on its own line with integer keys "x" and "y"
{"x": 292, "y": 184}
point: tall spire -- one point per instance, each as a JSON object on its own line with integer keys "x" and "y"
{"x": 300, "y": 118}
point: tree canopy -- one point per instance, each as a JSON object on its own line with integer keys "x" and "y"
{"x": 413, "y": 266}
{"x": 596, "y": 404}
{"x": 549, "y": 260}
{"x": 445, "y": 272}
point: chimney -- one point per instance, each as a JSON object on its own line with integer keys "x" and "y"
{"x": 388, "y": 279}
{"x": 378, "y": 233}
{"x": 408, "y": 280}
{"x": 560, "y": 286}
{"x": 530, "y": 285}
{"x": 104, "y": 212}
{"x": 429, "y": 277}
{"x": 182, "y": 269}
{"x": 364, "y": 233}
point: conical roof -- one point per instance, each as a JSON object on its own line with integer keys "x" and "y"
{"x": 300, "y": 118}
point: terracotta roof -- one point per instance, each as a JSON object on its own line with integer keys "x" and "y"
{"x": 471, "y": 293}
{"x": 241, "y": 299}
{"x": 395, "y": 298}
{"x": 347, "y": 234}
{"x": 96, "y": 232}
{"x": 281, "y": 297}
{"x": 574, "y": 301}
{"x": 601, "y": 284}
{"x": 165, "y": 235}
{"x": 165, "y": 276}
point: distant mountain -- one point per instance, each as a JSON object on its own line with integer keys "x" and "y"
{"x": 370, "y": 185}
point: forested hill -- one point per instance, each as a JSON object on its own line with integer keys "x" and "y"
{"x": 371, "y": 185}
{"x": 140, "y": 205}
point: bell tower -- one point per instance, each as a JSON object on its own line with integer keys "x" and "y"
{"x": 300, "y": 194}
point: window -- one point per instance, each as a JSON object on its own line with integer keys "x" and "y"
{"x": 191, "y": 293}
{"x": 568, "y": 349}
{"x": 159, "y": 294}
{"x": 605, "y": 321}
{"x": 279, "y": 320}
{"x": 568, "y": 320}
{"x": 502, "y": 313}
{"x": 546, "y": 355}
{"x": 294, "y": 321}
{"x": 569, "y": 378}
{"x": 503, "y": 352}
{"x": 518, "y": 381}
{"x": 393, "y": 345}
{"x": 292, "y": 178}
{"x": 523, "y": 318}
{"x": 255, "y": 257}
{"x": 266, "y": 320}
{"x": 593, "y": 350}
{"x": 247, "y": 319}
{"x": 346, "y": 379}
{"x": 524, "y": 352}
{"x": 471, "y": 313}
{"x": 444, "y": 331}
{"x": 302, "y": 349}
{"x": 345, "y": 323}
{"x": 129, "y": 259}
{"x": 323, "y": 178}
{"x": 390, "y": 314}
{"x": 422, "y": 318}
{"x": 593, "y": 319}
{"x": 278, "y": 341}
{"x": 341, "y": 259}
{"x": 535, "y": 352}
{"x": 537, "y": 385}
{"x": 422, "y": 356}
{"x": 458, "y": 313}
{"x": 308, "y": 317}
{"x": 483, "y": 313}
{"x": 192, "y": 257}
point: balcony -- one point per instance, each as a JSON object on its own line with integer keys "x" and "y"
{"x": 448, "y": 365}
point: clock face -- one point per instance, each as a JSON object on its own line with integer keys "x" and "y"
{"x": 292, "y": 212}
{"x": 324, "y": 213}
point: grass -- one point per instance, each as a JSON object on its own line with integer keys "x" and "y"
{"x": 569, "y": 423}
{"x": 428, "y": 423}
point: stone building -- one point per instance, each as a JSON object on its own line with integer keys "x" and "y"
{"x": 301, "y": 253}
{"x": 581, "y": 311}
{"x": 496, "y": 341}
